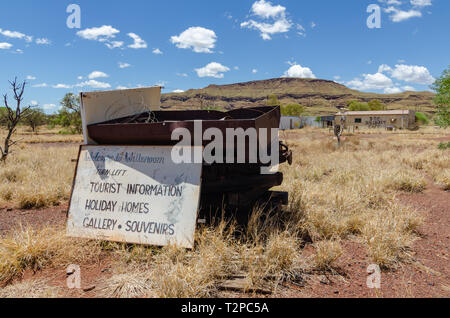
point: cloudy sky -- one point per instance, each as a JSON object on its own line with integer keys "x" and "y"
{"x": 191, "y": 44}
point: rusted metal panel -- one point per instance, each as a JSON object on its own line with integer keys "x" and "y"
{"x": 136, "y": 130}
{"x": 134, "y": 194}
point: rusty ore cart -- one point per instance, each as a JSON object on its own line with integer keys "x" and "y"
{"x": 235, "y": 188}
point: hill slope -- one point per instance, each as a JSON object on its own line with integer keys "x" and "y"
{"x": 320, "y": 96}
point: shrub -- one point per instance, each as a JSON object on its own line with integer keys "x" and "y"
{"x": 422, "y": 118}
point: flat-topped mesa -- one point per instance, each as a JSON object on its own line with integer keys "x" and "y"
{"x": 319, "y": 95}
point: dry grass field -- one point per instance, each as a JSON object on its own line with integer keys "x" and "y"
{"x": 381, "y": 198}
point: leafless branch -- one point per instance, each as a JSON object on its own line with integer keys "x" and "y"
{"x": 13, "y": 116}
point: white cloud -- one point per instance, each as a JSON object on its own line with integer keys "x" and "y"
{"x": 391, "y": 2}
{"x": 398, "y": 15}
{"x": 301, "y": 30}
{"x": 43, "y": 41}
{"x": 337, "y": 77}
{"x": 138, "y": 42}
{"x": 213, "y": 69}
{"x": 299, "y": 71}
{"x": 93, "y": 84}
{"x": 157, "y": 51}
{"x": 80, "y": 78}
{"x": 40, "y": 85}
{"x": 421, "y": 3}
{"x": 97, "y": 74}
{"x": 49, "y": 106}
{"x": 413, "y": 74}
{"x": 267, "y": 29}
{"x": 182, "y": 74}
{"x": 16, "y": 35}
{"x": 104, "y": 34}
{"x": 384, "y": 68}
{"x": 121, "y": 87}
{"x": 178, "y": 91}
{"x": 30, "y": 78}
{"x": 392, "y": 90}
{"x": 124, "y": 65}
{"x": 199, "y": 39}
{"x": 161, "y": 83}
{"x": 313, "y": 25}
{"x": 65, "y": 86}
{"x": 34, "y": 103}
{"x": 371, "y": 82}
{"x": 265, "y": 10}
{"x": 408, "y": 88}
{"x": 5, "y": 46}
{"x": 101, "y": 34}
{"x": 254, "y": 71}
{"x": 114, "y": 44}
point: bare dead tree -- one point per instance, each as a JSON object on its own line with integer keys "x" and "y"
{"x": 12, "y": 116}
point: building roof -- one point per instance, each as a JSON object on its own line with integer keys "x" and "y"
{"x": 375, "y": 113}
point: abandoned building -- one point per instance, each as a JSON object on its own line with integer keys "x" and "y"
{"x": 389, "y": 119}
{"x": 290, "y": 122}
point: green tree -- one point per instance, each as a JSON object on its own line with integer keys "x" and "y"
{"x": 355, "y": 106}
{"x": 376, "y": 105}
{"x": 295, "y": 110}
{"x": 273, "y": 100}
{"x": 35, "y": 117}
{"x": 3, "y": 118}
{"x": 442, "y": 99}
{"x": 70, "y": 113}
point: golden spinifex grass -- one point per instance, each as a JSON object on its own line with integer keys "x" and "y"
{"x": 35, "y": 177}
{"x": 218, "y": 255}
{"x": 31, "y": 248}
{"x": 35, "y": 288}
{"x": 351, "y": 191}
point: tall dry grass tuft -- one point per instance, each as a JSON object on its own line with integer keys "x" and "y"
{"x": 38, "y": 288}
{"x": 37, "y": 177}
{"x": 327, "y": 253}
{"x": 131, "y": 282}
{"x": 268, "y": 263}
{"x": 28, "y": 248}
{"x": 345, "y": 191}
{"x": 390, "y": 233}
{"x": 179, "y": 273}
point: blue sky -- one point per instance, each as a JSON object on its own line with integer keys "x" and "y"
{"x": 191, "y": 44}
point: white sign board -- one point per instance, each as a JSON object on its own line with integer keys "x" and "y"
{"x": 98, "y": 107}
{"x": 134, "y": 194}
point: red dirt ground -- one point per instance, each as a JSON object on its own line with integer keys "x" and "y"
{"x": 427, "y": 275}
